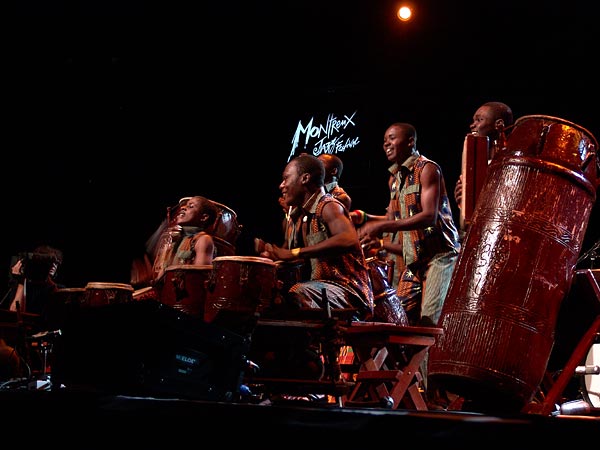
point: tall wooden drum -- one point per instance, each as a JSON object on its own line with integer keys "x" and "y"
{"x": 516, "y": 264}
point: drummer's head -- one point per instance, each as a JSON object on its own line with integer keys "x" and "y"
{"x": 333, "y": 166}
{"x": 490, "y": 118}
{"x": 302, "y": 177}
{"x": 197, "y": 211}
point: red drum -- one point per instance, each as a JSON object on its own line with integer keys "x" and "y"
{"x": 104, "y": 294}
{"x": 184, "y": 288}
{"x": 289, "y": 273}
{"x": 516, "y": 264}
{"x": 242, "y": 285}
{"x": 69, "y": 296}
{"x": 226, "y": 225}
{"x": 387, "y": 304}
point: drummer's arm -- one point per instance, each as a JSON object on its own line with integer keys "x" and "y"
{"x": 391, "y": 247}
{"x": 204, "y": 248}
{"x": 17, "y": 275}
{"x": 17, "y": 302}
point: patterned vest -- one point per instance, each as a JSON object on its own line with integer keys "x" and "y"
{"x": 348, "y": 270}
{"x": 421, "y": 245}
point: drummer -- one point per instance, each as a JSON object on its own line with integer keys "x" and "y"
{"x": 334, "y": 167}
{"x": 193, "y": 242}
{"x": 34, "y": 277}
{"x": 323, "y": 235}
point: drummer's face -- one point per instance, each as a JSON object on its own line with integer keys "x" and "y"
{"x": 291, "y": 185}
{"x": 484, "y": 123}
{"x": 189, "y": 212}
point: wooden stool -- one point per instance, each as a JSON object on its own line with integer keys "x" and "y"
{"x": 282, "y": 337}
{"x": 388, "y": 357}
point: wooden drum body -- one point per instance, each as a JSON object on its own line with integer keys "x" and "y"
{"x": 226, "y": 224}
{"x": 242, "y": 285}
{"x": 63, "y": 302}
{"x": 184, "y": 288}
{"x": 290, "y": 273}
{"x": 105, "y": 294}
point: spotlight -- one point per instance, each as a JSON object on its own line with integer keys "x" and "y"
{"x": 404, "y": 13}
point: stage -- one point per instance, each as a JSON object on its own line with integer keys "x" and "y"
{"x": 143, "y": 374}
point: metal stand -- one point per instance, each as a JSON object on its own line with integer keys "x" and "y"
{"x": 591, "y": 254}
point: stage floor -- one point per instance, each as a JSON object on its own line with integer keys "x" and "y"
{"x": 97, "y": 420}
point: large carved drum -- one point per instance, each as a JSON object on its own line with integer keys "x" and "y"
{"x": 517, "y": 264}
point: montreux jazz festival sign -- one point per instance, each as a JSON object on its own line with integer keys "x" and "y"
{"x": 335, "y": 135}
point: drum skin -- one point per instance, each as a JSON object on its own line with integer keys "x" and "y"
{"x": 516, "y": 264}
{"x": 591, "y": 381}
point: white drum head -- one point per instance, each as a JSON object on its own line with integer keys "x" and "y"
{"x": 592, "y": 382}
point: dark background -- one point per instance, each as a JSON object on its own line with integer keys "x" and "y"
{"x": 115, "y": 110}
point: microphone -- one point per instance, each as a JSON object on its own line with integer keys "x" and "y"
{"x": 43, "y": 334}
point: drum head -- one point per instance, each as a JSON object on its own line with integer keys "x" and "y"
{"x": 592, "y": 381}
{"x": 102, "y": 285}
{"x": 244, "y": 259}
{"x": 190, "y": 267}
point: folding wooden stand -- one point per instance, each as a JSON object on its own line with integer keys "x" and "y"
{"x": 389, "y": 357}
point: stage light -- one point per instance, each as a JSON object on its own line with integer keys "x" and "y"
{"x": 404, "y": 13}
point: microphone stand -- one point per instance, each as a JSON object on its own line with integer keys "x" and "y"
{"x": 591, "y": 254}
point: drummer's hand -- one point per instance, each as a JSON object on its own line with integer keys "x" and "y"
{"x": 267, "y": 251}
{"x": 259, "y": 246}
{"x": 369, "y": 242}
{"x": 17, "y": 268}
{"x": 277, "y": 253}
{"x": 368, "y": 231}
{"x": 458, "y": 190}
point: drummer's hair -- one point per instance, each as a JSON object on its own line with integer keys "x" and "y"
{"x": 313, "y": 166}
{"x": 207, "y": 207}
{"x": 333, "y": 162}
{"x": 501, "y": 111}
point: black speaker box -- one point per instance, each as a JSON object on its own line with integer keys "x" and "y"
{"x": 147, "y": 348}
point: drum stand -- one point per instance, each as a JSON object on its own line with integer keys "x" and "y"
{"x": 44, "y": 342}
{"x": 571, "y": 368}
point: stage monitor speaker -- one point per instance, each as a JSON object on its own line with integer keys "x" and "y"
{"x": 147, "y": 348}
